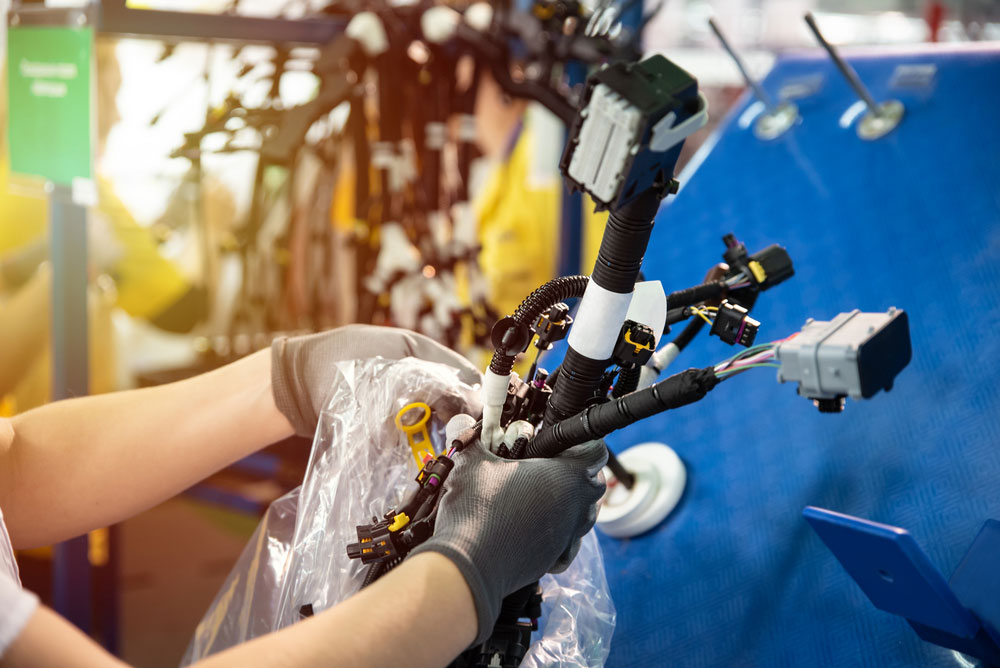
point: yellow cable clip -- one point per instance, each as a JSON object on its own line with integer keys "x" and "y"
{"x": 412, "y": 420}
{"x": 399, "y": 521}
{"x": 638, "y": 346}
{"x": 758, "y": 271}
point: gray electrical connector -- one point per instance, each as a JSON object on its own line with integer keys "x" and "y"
{"x": 855, "y": 355}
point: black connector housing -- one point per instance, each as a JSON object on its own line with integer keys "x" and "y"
{"x": 776, "y": 263}
{"x": 651, "y": 89}
{"x": 375, "y": 543}
{"x": 733, "y": 324}
{"x": 552, "y": 326}
{"x": 636, "y": 344}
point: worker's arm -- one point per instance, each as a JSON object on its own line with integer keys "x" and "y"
{"x": 71, "y": 466}
{"x": 419, "y": 614}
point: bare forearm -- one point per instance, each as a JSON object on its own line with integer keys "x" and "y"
{"x": 74, "y": 465}
{"x": 419, "y": 614}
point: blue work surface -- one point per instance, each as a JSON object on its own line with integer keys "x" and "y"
{"x": 736, "y": 577}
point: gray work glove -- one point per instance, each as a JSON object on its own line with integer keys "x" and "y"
{"x": 505, "y": 523}
{"x": 303, "y": 368}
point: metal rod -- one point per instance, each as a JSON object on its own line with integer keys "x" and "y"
{"x": 758, "y": 90}
{"x": 624, "y": 476}
{"x": 845, "y": 69}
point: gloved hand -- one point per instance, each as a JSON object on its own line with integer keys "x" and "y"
{"x": 505, "y": 523}
{"x": 303, "y": 368}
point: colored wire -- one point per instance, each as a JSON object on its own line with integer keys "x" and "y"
{"x": 701, "y": 314}
{"x": 753, "y": 350}
{"x": 734, "y": 371}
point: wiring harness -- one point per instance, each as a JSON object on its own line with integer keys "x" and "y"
{"x": 634, "y": 118}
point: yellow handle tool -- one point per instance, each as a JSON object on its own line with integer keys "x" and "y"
{"x": 412, "y": 420}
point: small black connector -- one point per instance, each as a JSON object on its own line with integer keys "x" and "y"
{"x": 552, "y": 325}
{"x": 764, "y": 269}
{"x": 636, "y": 344}
{"x": 733, "y": 324}
{"x": 771, "y": 266}
{"x": 375, "y": 543}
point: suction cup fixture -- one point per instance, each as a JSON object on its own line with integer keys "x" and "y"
{"x": 880, "y": 119}
{"x": 775, "y": 122}
{"x": 777, "y": 118}
{"x": 880, "y": 123}
{"x": 660, "y": 477}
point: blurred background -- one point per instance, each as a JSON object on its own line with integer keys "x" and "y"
{"x": 220, "y": 218}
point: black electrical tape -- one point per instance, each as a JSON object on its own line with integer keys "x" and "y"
{"x": 465, "y": 437}
{"x": 539, "y": 301}
{"x": 676, "y": 315}
{"x": 697, "y": 294}
{"x": 598, "y": 421}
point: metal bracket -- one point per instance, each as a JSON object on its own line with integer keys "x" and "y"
{"x": 962, "y": 613}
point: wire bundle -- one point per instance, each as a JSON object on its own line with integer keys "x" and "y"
{"x": 754, "y": 357}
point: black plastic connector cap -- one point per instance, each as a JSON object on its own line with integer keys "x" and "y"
{"x": 736, "y": 251}
{"x": 884, "y": 355}
{"x": 510, "y": 336}
{"x": 733, "y": 324}
{"x": 834, "y": 405}
{"x": 552, "y": 326}
{"x": 776, "y": 264}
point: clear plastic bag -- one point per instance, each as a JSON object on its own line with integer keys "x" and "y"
{"x": 361, "y": 466}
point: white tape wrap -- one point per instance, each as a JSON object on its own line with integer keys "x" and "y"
{"x": 598, "y": 321}
{"x": 367, "y": 30}
{"x": 665, "y": 356}
{"x": 660, "y": 360}
{"x": 479, "y": 16}
{"x": 456, "y": 426}
{"x": 439, "y": 24}
{"x": 494, "y": 396}
{"x": 516, "y": 430}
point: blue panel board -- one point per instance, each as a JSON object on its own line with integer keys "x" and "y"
{"x": 736, "y": 577}
{"x": 889, "y": 566}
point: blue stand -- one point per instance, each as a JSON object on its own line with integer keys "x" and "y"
{"x": 71, "y": 576}
{"x": 962, "y": 613}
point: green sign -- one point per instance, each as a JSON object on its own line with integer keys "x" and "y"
{"x": 48, "y": 74}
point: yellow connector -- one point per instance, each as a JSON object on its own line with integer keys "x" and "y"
{"x": 758, "y": 271}
{"x": 412, "y": 420}
{"x": 399, "y": 521}
{"x": 638, "y": 346}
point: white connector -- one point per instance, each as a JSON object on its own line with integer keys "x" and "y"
{"x": 609, "y": 137}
